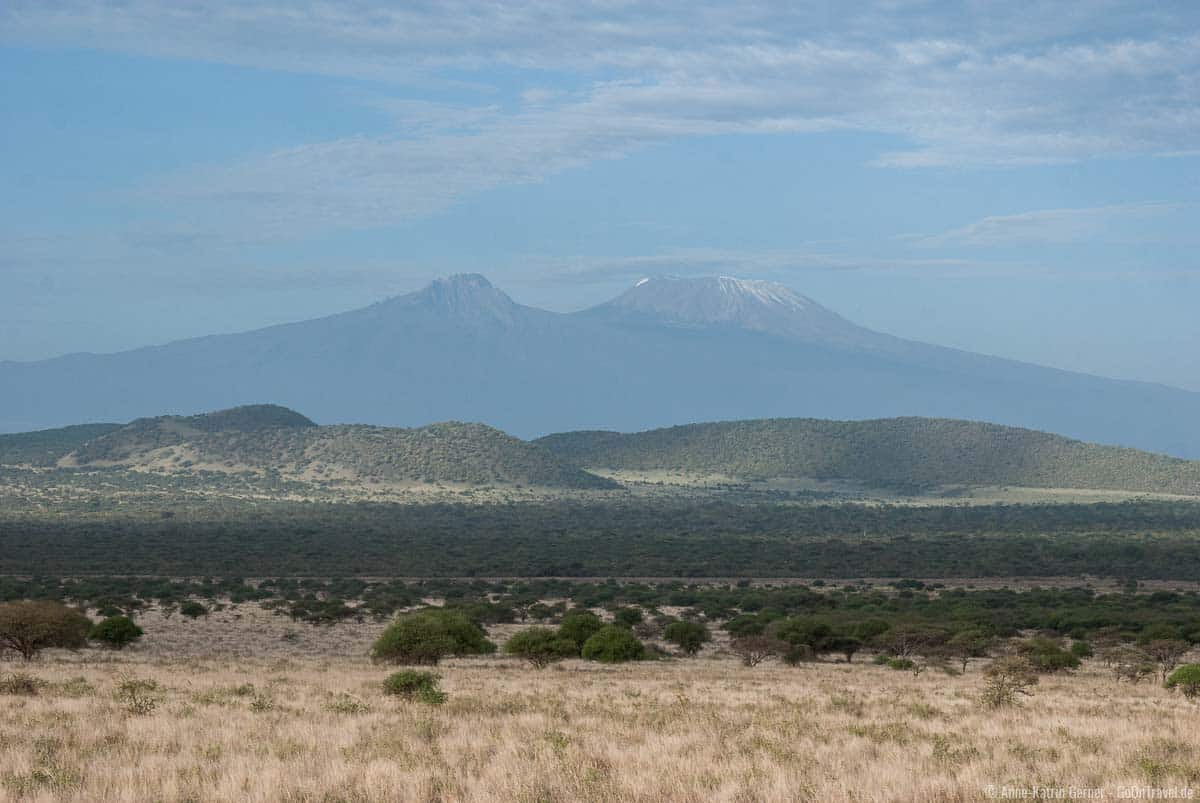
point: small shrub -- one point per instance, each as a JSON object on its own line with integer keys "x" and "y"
{"x": 193, "y": 610}
{"x": 21, "y": 683}
{"x": 346, "y": 703}
{"x": 900, "y": 663}
{"x": 613, "y": 644}
{"x": 116, "y": 632}
{"x": 412, "y": 685}
{"x": 139, "y": 696}
{"x": 1187, "y": 679}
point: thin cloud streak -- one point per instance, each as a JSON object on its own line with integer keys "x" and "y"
{"x": 971, "y": 89}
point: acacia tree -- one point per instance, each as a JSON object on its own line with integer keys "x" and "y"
{"x": 753, "y": 650}
{"x": 1007, "y": 678}
{"x": 29, "y": 627}
{"x": 1167, "y": 654}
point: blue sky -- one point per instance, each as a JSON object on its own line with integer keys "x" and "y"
{"x": 1018, "y": 179}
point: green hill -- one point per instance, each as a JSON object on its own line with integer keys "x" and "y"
{"x": 274, "y": 440}
{"x": 46, "y": 447}
{"x": 894, "y": 452}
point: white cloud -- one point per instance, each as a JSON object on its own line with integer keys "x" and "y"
{"x": 967, "y": 84}
{"x": 1047, "y": 225}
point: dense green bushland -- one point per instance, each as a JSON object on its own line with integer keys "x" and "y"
{"x": 1151, "y": 540}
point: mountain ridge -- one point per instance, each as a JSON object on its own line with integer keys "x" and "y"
{"x": 673, "y": 350}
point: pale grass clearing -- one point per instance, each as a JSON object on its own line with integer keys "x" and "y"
{"x": 708, "y": 729}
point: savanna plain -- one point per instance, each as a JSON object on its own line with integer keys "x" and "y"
{"x": 244, "y": 706}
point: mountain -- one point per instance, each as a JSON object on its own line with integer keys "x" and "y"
{"x": 270, "y": 440}
{"x": 664, "y": 352}
{"x": 895, "y": 451}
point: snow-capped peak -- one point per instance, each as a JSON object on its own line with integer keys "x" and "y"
{"x": 731, "y": 301}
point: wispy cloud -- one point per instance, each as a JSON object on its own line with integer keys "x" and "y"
{"x": 984, "y": 85}
{"x": 1047, "y": 226}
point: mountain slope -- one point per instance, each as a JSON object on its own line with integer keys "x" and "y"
{"x": 46, "y": 447}
{"x": 274, "y": 440}
{"x": 904, "y": 451}
{"x": 667, "y": 351}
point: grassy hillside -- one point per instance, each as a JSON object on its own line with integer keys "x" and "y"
{"x": 277, "y": 441}
{"x": 894, "y": 451}
{"x": 48, "y": 446}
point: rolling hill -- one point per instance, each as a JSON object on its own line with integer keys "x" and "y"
{"x": 46, "y": 447}
{"x": 272, "y": 440}
{"x": 666, "y": 351}
{"x": 896, "y": 451}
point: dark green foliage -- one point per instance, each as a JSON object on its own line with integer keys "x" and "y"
{"x": 578, "y": 626}
{"x": 28, "y": 627}
{"x": 613, "y": 644}
{"x": 1082, "y": 649}
{"x": 412, "y": 685}
{"x": 425, "y": 637}
{"x": 687, "y": 636}
{"x": 906, "y": 453}
{"x": 628, "y": 617}
{"x": 669, "y": 539}
{"x": 192, "y": 609}
{"x": 116, "y": 632}
{"x": 540, "y": 646}
{"x": 1047, "y": 655}
{"x": 1187, "y": 679}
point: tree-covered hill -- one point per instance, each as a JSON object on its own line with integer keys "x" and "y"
{"x": 278, "y": 441}
{"x": 46, "y": 447}
{"x": 892, "y": 451}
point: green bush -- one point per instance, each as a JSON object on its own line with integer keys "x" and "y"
{"x": 425, "y": 637}
{"x": 687, "y": 636}
{"x": 1047, "y": 656}
{"x": 116, "y": 632}
{"x": 1187, "y": 679}
{"x": 900, "y": 663}
{"x": 412, "y": 685}
{"x": 629, "y": 617}
{"x": 578, "y": 627}
{"x": 540, "y": 646}
{"x": 192, "y": 609}
{"x": 613, "y": 644}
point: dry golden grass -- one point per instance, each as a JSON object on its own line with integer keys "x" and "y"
{"x": 282, "y": 729}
